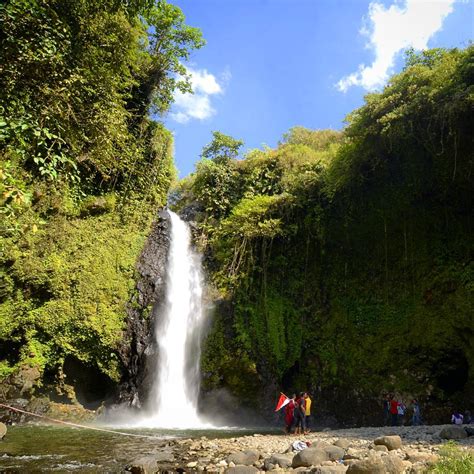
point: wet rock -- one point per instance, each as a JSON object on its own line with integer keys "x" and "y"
{"x": 246, "y": 458}
{"x": 392, "y": 442}
{"x": 367, "y": 466}
{"x": 143, "y": 465}
{"x": 309, "y": 457}
{"x": 342, "y": 443}
{"x": 149, "y": 293}
{"x": 163, "y": 456}
{"x": 3, "y": 430}
{"x": 334, "y": 452}
{"x": 453, "y": 432}
{"x": 241, "y": 470}
{"x": 283, "y": 460}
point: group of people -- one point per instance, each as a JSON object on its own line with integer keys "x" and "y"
{"x": 298, "y": 414}
{"x": 395, "y": 411}
{"x": 457, "y": 418}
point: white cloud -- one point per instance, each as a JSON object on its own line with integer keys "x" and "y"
{"x": 408, "y": 24}
{"x": 198, "y": 105}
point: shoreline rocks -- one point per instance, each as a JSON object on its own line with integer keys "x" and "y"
{"x": 390, "y": 450}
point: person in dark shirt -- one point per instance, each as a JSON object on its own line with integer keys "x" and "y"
{"x": 386, "y": 410}
{"x": 300, "y": 415}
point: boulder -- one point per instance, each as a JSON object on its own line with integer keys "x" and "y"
{"x": 334, "y": 452}
{"x": 309, "y": 457}
{"x": 241, "y": 470}
{"x": 342, "y": 443}
{"x": 143, "y": 465}
{"x": 319, "y": 444}
{"x": 283, "y": 460}
{"x": 453, "y": 432}
{"x": 418, "y": 456}
{"x": 381, "y": 447}
{"x": 367, "y": 466}
{"x": 392, "y": 442}
{"x": 246, "y": 458}
{"x": 393, "y": 464}
{"x": 3, "y": 430}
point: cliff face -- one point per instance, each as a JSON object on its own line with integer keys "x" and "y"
{"x": 346, "y": 258}
{"x": 137, "y": 347}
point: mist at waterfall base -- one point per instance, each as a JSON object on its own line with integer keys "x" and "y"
{"x": 181, "y": 323}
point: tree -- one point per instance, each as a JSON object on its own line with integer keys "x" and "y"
{"x": 222, "y": 149}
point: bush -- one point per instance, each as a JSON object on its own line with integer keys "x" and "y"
{"x": 454, "y": 460}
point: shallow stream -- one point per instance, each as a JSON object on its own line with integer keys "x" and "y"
{"x": 40, "y": 448}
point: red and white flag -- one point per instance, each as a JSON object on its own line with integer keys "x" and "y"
{"x": 282, "y": 401}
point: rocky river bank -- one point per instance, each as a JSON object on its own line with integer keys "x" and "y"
{"x": 374, "y": 450}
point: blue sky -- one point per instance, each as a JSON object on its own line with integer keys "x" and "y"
{"x": 272, "y": 64}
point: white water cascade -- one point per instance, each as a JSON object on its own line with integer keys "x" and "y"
{"x": 178, "y": 336}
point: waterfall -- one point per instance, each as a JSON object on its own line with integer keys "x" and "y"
{"x": 178, "y": 335}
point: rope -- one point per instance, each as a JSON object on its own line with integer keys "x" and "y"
{"x": 76, "y": 425}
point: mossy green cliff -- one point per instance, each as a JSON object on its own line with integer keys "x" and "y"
{"x": 344, "y": 259}
{"x": 83, "y": 172}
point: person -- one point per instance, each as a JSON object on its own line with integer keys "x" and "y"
{"x": 289, "y": 413}
{"x": 401, "y": 413}
{"x": 457, "y": 418}
{"x": 394, "y": 410}
{"x": 386, "y": 410}
{"x": 299, "y": 415}
{"x": 308, "y": 411}
{"x": 468, "y": 419}
{"x": 416, "y": 418}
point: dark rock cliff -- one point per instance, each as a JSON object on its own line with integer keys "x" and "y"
{"x": 137, "y": 347}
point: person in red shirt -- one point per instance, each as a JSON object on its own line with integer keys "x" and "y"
{"x": 394, "y": 410}
{"x": 289, "y": 411}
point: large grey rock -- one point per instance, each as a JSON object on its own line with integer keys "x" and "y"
{"x": 246, "y": 458}
{"x": 453, "y": 432}
{"x": 334, "y": 452}
{"x": 342, "y": 443}
{"x": 143, "y": 465}
{"x": 3, "y": 430}
{"x": 283, "y": 460}
{"x": 319, "y": 444}
{"x": 241, "y": 470}
{"x": 367, "y": 466}
{"x": 309, "y": 457}
{"x": 393, "y": 464}
{"x": 392, "y": 442}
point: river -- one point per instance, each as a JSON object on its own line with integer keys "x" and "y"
{"x": 39, "y": 448}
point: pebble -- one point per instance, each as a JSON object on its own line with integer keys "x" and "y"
{"x": 412, "y": 450}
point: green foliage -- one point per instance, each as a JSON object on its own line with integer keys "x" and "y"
{"x": 222, "y": 149}
{"x": 346, "y": 255}
{"x": 454, "y": 460}
{"x": 83, "y": 169}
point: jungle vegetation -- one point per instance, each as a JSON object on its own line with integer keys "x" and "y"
{"x": 343, "y": 259}
{"x": 83, "y": 170}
